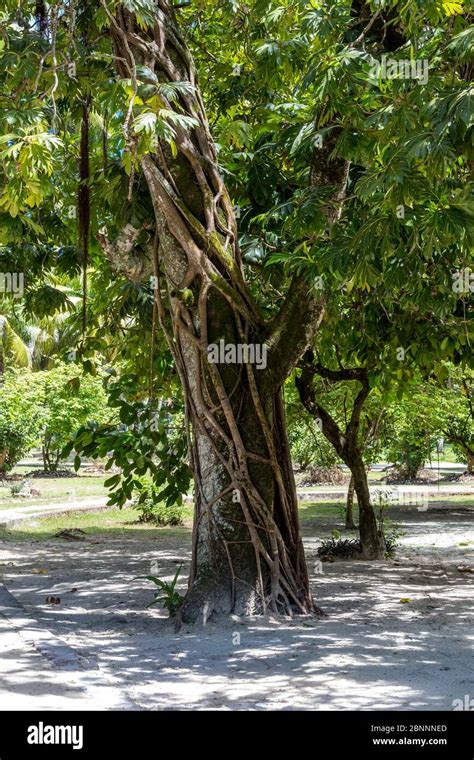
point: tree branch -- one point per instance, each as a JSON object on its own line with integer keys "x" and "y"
{"x": 293, "y": 330}
{"x": 329, "y": 426}
{"x": 122, "y": 254}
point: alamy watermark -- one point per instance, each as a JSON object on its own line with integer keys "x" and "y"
{"x": 401, "y": 497}
{"x": 237, "y": 353}
{"x": 406, "y": 68}
{"x": 466, "y": 704}
{"x": 463, "y": 281}
{"x": 13, "y": 283}
{"x": 418, "y": 499}
{"x": 46, "y": 734}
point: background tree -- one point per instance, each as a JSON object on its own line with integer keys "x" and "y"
{"x": 387, "y": 269}
{"x": 68, "y": 399}
{"x": 20, "y": 418}
{"x": 410, "y": 432}
{"x": 451, "y": 401}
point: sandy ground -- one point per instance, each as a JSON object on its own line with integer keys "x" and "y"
{"x": 99, "y": 648}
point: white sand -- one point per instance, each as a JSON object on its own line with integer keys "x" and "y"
{"x": 371, "y": 652}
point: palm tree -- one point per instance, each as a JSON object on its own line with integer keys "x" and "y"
{"x": 40, "y": 324}
{"x": 12, "y": 348}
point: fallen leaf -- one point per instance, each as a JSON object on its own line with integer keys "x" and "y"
{"x": 53, "y": 600}
{"x": 71, "y": 534}
{"x": 405, "y": 601}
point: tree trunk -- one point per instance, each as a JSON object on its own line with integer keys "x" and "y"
{"x": 51, "y": 457}
{"x": 465, "y": 447}
{"x": 247, "y": 549}
{"x": 470, "y": 462}
{"x": 44, "y": 452}
{"x": 469, "y": 455}
{"x": 371, "y": 538}
{"x": 350, "y": 505}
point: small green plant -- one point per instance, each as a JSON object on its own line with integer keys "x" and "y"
{"x": 340, "y": 547}
{"x": 16, "y": 488}
{"x": 166, "y": 593}
{"x": 390, "y": 537}
{"x": 393, "y": 532}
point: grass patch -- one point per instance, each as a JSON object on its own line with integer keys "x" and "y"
{"x": 375, "y": 476}
{"x": 55, "y": 491}
{"x": 466, "y": 500}
{"x": 322, "y": 510}
{"x": 323, "y": 517}
{"x": 111, "y": 523}
{"x": 124, "y": 522}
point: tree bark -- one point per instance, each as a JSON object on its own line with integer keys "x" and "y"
{"x": 462, "y": 443}
{"x": 470, "y": 462}
{"x": 350, "y": 525}
{"x": 247, "y": 550}
{"x": 51, "y": 456}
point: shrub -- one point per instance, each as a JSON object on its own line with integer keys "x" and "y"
{"x": 20, "y": 418}
{"x": 16, "y": 488}
{"x": 409, "y": 434}
{"x": 159, "y": 513}
{"x": 152, "y": 509}
{"x": 316, "y": 475}
{"x": 308, "y": 445}
{"x": 340, "y": 547}
{"x": 392, "y": 536}
{"x": 348, "y": 548}
{"x": 69, "y": 398}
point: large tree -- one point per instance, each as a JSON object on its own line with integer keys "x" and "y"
{"x": 247, "y": 552}
{"x": 108, "y": 94}
{"x": 247, "y": 549}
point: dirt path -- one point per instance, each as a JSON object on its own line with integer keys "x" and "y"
{"x": 371, "y": 651}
